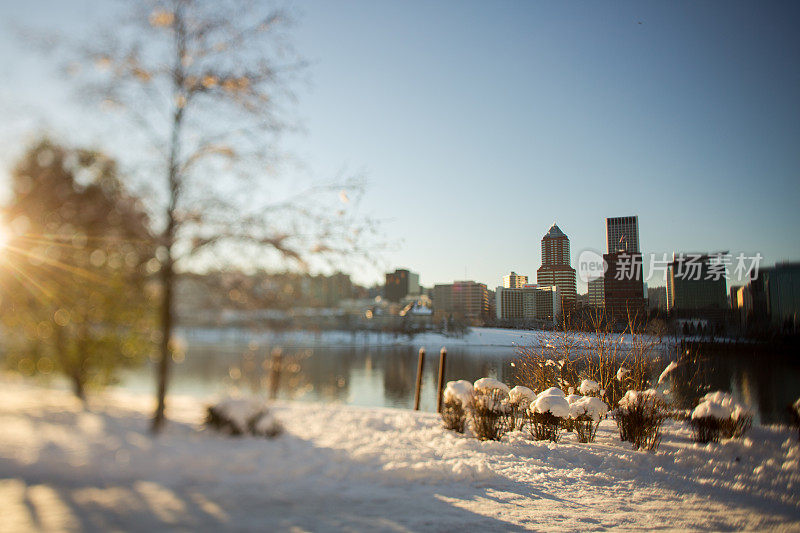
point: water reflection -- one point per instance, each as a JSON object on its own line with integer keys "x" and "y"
{"x": 386, "y": 376}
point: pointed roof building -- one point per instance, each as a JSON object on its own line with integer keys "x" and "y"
{"x": 556, "y": 269}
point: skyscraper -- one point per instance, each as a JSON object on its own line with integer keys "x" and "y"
{"x": 556, "y": 269}
{"x": 514, "y": 281}
{"x": 623, "y": 282}
{"x": 622, "y": 234}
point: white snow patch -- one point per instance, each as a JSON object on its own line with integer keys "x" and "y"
{"x": 552, "y": 403}
{"x": 591, "y": 406}
{"x": 339, "y": 467}
{"x": 461, "y": 391}
{"x": 490, "y": 384}
{"x": 667, "y": 371}
{"x": 521, "y": 396}
{"x": 589, "y": 387}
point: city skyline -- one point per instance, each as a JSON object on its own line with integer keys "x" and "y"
{"x": 683, "y": 114}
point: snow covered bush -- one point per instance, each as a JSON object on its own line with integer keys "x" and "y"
{"x": 239, "y": 416}
{"x": 547, "y": 414}
{"x": 457, "y": 396}
{"x": 585, "y": 413}
{"x": 519, "y": 399}
{"x": 589, "y": 387}
{"x": 488, "y": 409}
{"x": 264, "y": 425}
{"x": 719, "y": 415}
{"x": 639, "y": 416}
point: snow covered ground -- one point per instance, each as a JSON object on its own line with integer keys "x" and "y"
{"x": 348, "y": 468}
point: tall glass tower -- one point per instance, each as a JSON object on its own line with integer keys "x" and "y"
{"x": 622, "y": 234}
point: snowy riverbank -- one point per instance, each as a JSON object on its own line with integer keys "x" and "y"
{"x": 339, "y": 467}
{"x": 475, "y": 337}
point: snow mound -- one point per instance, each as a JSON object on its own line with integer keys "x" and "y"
{"x": 489, "y": 384}
{"x": 590, "y": 406}
{"x": 589, "y": 387}
{"x": 265, "y": 425}
{"x": 239, "y": 416}
{"x": 461, "y": 391}
{"x": 553, "y": 404}
{"x": 552, "y": 391}
{"x": 720, "y": 405}
{"x": 652, "y": 399}
{"x": 521, "y": 395}
{"x": 572, "y": 398}
{"x": 238, "y": 412}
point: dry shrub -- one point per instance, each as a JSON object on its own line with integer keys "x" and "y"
{"x": 712, "y": 429}
{"x": 488, "y": 412}
{"x": 513, "y": 420}
{"x": 552, "y": 363}
{"x": 453, "y": 415}
{"x": 636, "y": 348}
{"x": 217, "y": 419}
{"x": 706, "y": 429}
{"x": 734, "y": 428}
{"x": 592, "y": 350}
{"x": 544, "y": 426}
{"x": 585, "y": 428}
{"x": 719, "y": 415}
{"x": 640, "y": 416}
{"x": 237, "y": 417}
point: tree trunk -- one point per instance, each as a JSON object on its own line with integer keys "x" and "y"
{"x": 78, "y": 385}
{"x": 168, "y": 238}
{"x": 167, "y": 276}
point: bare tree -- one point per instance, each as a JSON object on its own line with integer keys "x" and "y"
{"x": 203, "y": 82}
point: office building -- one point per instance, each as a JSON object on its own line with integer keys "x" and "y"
{"x": 596, "y": 293}
{"x": 527, "y": 303}
{"x": 782, "y": 284}
{"x": 623, "y": 281}
{"x": 556, "y": 269}
{"x": 468, "y": 299}
{"x": 623, "y": 287}
{"x": 696, "y": 288}
{"x": 657, "y": 298}
{"x": 622, "y": 234}
{"x": 514, "y": 281}
{"x": 401, "y": 283}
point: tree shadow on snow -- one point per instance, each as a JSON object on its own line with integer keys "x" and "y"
{"x": 198, "y": 480}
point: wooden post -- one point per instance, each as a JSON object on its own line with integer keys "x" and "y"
{"x": 420, "y": 364}
{"x": 275, "y": 373}
{"x": 440, "y": 386}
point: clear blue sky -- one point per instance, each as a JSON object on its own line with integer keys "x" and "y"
{"x": 480, "y": 124}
